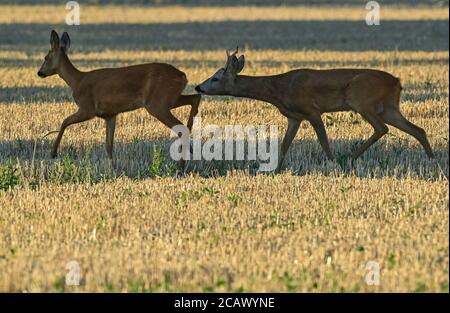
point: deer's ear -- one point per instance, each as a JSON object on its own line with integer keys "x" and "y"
{"x": 65, "y": 42}
{"x": 54, "y": 40}
{"x": 240, "y": 64}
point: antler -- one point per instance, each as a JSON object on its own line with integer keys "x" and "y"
{"x": 230, "y": 55}
{"x": 234, "y": 53}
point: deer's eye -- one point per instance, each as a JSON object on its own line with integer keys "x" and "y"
{"x": 214, "y": 79}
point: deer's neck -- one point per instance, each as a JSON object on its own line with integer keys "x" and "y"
{"x": 69, "y": 73}
{"x": 256, "y": 87}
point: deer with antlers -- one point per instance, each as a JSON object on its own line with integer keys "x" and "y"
{"x": 107, "y": 92}
{"x": 304, "y": 94}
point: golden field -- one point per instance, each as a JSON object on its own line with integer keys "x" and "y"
{"x": 138, "y": 227}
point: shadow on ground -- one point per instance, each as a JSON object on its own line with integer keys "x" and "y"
{"x": 142, "y": 159}
{"x": 265, "y": 34}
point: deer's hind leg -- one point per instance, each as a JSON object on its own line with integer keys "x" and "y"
{"x": 393, "y": 117}
{"x": 380, "y": 129}
{"x": 367, "y": 101}
{"x": 160, "y": 105}
{"x": 194, "y": 102}
{"x": 166, "y": 117}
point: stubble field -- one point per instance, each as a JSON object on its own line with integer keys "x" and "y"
{"x": 136, "y": 226}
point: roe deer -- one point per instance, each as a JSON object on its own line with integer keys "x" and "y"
{"x": 107, "y": 92}
{"x": 304, "y": 94}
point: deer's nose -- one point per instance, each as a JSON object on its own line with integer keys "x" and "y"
{"x": 198, "y": 89}
{"x": 40, "y": 74}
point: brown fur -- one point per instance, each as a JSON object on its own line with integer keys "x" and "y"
{"x": 107, "y": 92}
{"x": 306, "y": 94}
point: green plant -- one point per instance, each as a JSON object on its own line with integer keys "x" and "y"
{"x": 67, "y": 171}
{"x": 58, "y": 284}
{"x": 346, "y": 189}
{"x": 8, "y": 177}
{"x": 234, "y": 199}
{"x": 159, "y": 167}
{"x": 288, "y": 280}
{"x": 137, "y": 285}
{"x": 391, "y": 261}
{"x": 156, "y": 168}
{"x": 342, "y": 159}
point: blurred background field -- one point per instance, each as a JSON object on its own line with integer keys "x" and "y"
{"x": 136, "y": 227}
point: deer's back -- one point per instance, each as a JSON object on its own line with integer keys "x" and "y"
{"x": 327, "y": 90}
{"x": 112, "y": 90}
{"x": 133, "y": 77}
{"x": 336, "y": 78}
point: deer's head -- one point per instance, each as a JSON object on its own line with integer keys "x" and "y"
{"x": 59, "y": 48}
{"x": 223, "y": 80}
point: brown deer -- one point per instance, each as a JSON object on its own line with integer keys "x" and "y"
{"x": 304, "y": 94}
{"x": 107, "y": 92}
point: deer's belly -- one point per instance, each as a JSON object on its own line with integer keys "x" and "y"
{"x": 333, "y": 106}
{"x": 331, "y": 101}
{"x": 105, "y": 109}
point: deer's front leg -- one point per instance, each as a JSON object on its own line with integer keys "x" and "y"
{"x": 319, "y": 128}
{"x": 110, "y": 128}
{"x": 293, "y": 125}
{"x": 77, "y": 117}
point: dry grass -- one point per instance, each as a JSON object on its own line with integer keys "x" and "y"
{"x": 222, "y": 227}
{"x": 310, "y": 233}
